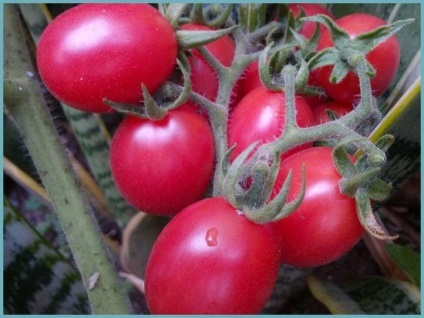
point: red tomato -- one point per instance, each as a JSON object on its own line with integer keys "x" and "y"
{"x": 320, "y": 112}
{"x": 250, "y": 79}
{"x": 160, "y": 167}
{"x": 326, "y": 225}
{"x": 308, "y": 28}
{"x": 384, "y": 58}
{"x": 96, "y": 51}
{"x": 260, "y": 116}
{"x": 211, "y": 260}
{"x": 204, "y": 79}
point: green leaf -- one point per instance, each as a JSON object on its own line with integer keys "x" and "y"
{"x": 37, "y": 278}
{"x": 334, "y": 298}
{"x": 367, "y": 295}
{"x": 408, "y": 260}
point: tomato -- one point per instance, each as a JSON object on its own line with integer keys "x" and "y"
{"x": 160, "y": 167}
{"x": 96, "y": 51}
{"x": 308, "y": 28}
{"x": 250, "y": 79}
{"x": 210, "y": 259}
{"x": 384, "y": 58}
{"x": 260, "y": 116}
{"x": 340, "y": 109}
{"x": 204, "y": 79}
{"x": 326, "y": 225}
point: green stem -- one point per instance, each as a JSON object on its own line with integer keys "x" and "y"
{"x": 26, "y": 105}
{"x": 342, "y": 128}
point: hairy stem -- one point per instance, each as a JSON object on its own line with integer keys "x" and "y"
{"x": 26, "y": 105}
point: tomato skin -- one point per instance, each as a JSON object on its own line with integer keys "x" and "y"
{"x": 326, "y": 225}
{"x": 384, "y": 58}
{"x": 250, "y": 79}
{"x": 340, "y": 109}
{"x": 204, "y": 79}
{"x": 260, "y": 116}
{"x": 160, "y": 167}
{"x": 211, "y": 260}
{"x": 94, "y": 51}
{"x": 310, "y": 9}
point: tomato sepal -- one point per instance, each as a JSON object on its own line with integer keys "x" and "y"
{"x": 150, "y": 109}
{"x": 349, "y": 49}
{"x": 368, "y": 219}
{"x": 189, "y": 39}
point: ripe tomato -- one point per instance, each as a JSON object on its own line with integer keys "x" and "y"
{"x": 308, "y": 28}
{"x": 96, "y": 51}
{"x": 250, "y": 79}
{"x": 320, "y": 112}
{"x": 326, "y": 225}
{"x": 260, "y": 116}
{"x": 211, "y": 260}
{"x": 384, "y": 58}
{"x": 160, "y": 167}
{"x": 204, "y": 79}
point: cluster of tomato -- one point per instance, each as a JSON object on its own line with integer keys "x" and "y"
{"x": 209, "y": 258}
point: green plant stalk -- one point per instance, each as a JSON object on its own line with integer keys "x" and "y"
{"x": 339, "y": 129}
{"x": 95, "y": 146}
{"x": 27, "y": 107}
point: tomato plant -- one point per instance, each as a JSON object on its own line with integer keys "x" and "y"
{"x": 220, "y": 254}
{"x": 160, "y": 167}
{"x": 340, "y": 109}
{"x": 211, "y": 260}
{"x": 326, "y": 225}
{"x": 260, "y": 116}
{"x": 96, "y": 51}
{"x": 384, "y": 58}
{"x": 308, "y": 28}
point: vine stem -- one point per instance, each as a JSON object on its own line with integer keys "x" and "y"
{"x": 25, "y": 104}
{"x": 340, "y": 129}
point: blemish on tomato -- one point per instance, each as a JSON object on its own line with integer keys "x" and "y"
{"x": 212, "y": 237}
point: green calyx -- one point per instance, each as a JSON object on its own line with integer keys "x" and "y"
{"x": 346, "y": 50}
{"x": 360, "y": 180}
{"x": 188, "y": 39}
{"x": 249, "y": 184}
{"x": 150, "y": 109}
